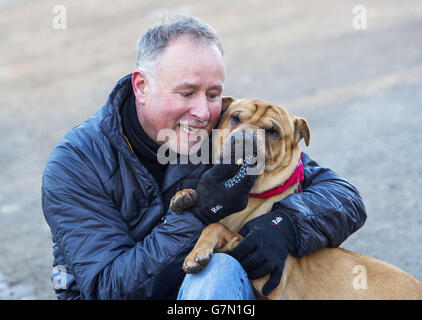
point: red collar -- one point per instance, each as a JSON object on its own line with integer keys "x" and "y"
{"x": 296, "y": 177}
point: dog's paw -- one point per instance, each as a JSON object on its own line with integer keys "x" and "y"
{"x": 197, "y": 260}
{"x": 183, "y": 199}
{"x": 231, "y": 244}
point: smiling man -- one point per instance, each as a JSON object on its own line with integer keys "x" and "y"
{"x": 191, "y": 78}
{"x": 105, "y": 195}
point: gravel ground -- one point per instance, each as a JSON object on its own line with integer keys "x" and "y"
{"x": 360, "y": 90}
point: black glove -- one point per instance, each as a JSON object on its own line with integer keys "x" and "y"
{"x": 222, "y": 190}
{"x": 268, "y": 239}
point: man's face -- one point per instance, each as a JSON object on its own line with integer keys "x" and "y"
{"x": 186, "y": 97}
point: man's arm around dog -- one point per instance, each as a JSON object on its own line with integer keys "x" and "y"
{"x": 326, "y": 213}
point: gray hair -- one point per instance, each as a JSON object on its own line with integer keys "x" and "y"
{"x": 152, "y": 44}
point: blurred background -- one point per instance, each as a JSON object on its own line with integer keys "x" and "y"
{"x": 359, "y": 88}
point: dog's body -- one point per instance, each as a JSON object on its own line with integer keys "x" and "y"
{"x": 331, "y": 273}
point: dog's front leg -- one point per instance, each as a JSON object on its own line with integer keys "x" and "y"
{"x": 215, "y": 237}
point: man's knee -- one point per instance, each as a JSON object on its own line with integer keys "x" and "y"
{"x": 222, "y": 265}
{"x": 223, "y": 278}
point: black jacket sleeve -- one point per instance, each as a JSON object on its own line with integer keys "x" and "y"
{"x": 326, "y": 212}
{"x": 96, "y": 244}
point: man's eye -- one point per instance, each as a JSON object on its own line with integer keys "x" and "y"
{"x": 213, "y": 97}
{"x": 186, "y": 94}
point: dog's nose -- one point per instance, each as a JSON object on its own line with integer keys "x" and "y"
{"x": 243, "y": 144}
{"x": 241, "y": 136}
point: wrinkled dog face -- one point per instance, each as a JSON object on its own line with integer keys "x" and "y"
{"x": 271, "y": 130}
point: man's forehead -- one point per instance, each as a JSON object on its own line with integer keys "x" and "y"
{"x": 186, "y": 65}
{"x": 187, "y": 53}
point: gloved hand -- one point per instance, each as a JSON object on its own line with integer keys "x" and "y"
{"x": 222, "y": 190}
{"x": 268, "y": 239}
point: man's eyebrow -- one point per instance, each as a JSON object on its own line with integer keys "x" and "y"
{"x": 216, "y": 87}
{"x": 189, "y": 85}
{"x": 186, "y": 85}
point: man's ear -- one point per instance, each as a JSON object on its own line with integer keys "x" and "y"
{"x": 140, "y": 85}
{"x": 227, "y": 101}
{"x": 302, "y": 131}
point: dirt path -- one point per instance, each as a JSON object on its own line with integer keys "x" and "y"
{"x": 359, "y": 89}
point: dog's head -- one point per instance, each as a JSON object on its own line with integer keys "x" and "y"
{"x": 271, "y": 130}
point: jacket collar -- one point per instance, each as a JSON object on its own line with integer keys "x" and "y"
{"x": 111, "y": 125}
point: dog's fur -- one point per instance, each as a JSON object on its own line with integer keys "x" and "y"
{"x": 331, "y": 273}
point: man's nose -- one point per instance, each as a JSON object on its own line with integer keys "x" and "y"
{"x": 200, "y": 109}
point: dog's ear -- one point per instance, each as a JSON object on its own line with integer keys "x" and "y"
{"x": 302, "y": 131}
{"x": 227, "y": 101}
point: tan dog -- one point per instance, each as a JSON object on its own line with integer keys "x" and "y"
{"x": 331, "y": 273}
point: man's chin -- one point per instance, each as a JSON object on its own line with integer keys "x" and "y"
{"x": 185, "y": 149}
{"x": 188, "y": 144}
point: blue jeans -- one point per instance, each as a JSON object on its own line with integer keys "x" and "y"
{"x": 223, "y": 279}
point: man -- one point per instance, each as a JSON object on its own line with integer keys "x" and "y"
{"x": 105, "y": 195}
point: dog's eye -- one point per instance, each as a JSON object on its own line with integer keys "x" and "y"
{"x": 272, "y": 132}
{"x": 235, "y": 118}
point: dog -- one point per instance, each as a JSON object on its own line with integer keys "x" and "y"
{"x": 330, "y": 273}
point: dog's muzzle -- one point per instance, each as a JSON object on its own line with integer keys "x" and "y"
{"x": 247, "y": 145}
